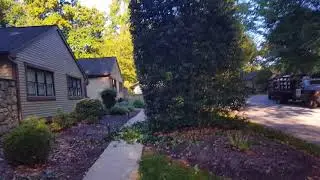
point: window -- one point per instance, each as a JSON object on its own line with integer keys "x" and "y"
{"x": 39, "y": 83}
{"x": 114, "y": 83}
{"x": 74, "y": 87}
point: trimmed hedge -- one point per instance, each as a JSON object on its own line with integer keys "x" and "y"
{"x": 29, "y": 143}
{"x": 108, "y": 97}
{"x": 138, "y": 104}
{"x": 118, "y": 110}
{"x": 88, "y": 109}
{"x": 63, "y": 120}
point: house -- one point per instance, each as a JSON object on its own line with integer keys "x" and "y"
{"x": 249, "y": 79}
{"x": 102, "y": 73}
{"x": 136, "y": 89}
{"x": 255, "y": 83}
{"x": 38, "y": 74}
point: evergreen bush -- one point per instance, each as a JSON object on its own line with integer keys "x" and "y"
{"x": 108, "y": 97}
{"x": 88, "y": 108}
{"x": 29, "y": 143}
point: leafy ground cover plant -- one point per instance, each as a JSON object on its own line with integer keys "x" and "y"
{"x": 130, "y": 135}
{"x": 29, "y": 143}
{"x": 239, "y": 140}
{"x": 154, "y": 166}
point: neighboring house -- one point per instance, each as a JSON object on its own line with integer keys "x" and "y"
{"x": 136, "y": 92}
{"x": 102, "y": 73}
{"x": 252, "y": 83}
{"x": 249, "y": 79}
{"x": 136, "y": 89}
{"x": 39, "y": 73}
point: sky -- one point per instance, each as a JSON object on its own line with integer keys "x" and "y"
{"x": 102, "y": 5}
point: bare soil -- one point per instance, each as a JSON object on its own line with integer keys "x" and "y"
{"x": 74, "y": 152}
{"x": 210, "y": 149}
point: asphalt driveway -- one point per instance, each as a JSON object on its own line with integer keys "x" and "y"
{"x": 299, "y": 121}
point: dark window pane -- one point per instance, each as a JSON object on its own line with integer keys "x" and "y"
{"x": 39, "y": 82}
{"x": 32, "y": 88}
{"x": 74, "y": 87}
{"x": 31, "y": 75}
{"x": 41, "y": 89}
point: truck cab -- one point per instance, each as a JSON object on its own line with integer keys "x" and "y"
{"x": 310, "y": 91}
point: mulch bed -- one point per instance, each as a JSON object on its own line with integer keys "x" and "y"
{"x": 266, "y": 159}
{"x": 74, "y": 152}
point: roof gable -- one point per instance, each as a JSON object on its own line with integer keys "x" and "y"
{"x": 13, "y": 38}
{"x": 16, "y": 38}
{"x": 98, "y": 66}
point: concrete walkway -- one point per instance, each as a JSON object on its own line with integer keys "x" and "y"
{"x": 120, "y": 160}
{"x": 296, "y": 120}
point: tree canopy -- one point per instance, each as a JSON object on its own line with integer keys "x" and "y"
{"x": 118, "y": 41}
{"x": 89, "y": 32}
{"x": 82, "y": 26}
{"x": 292, "y": 32}
{"x": 188, "y": 57}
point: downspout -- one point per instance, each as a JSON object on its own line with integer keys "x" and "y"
{"x": 16, "y": 76}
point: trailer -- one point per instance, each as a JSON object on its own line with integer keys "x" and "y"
{"x": 298, "y": 88}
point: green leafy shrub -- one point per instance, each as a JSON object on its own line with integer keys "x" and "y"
{"x": 55, "y": 127}
{"x": 239, "y": 140}
{"x": 177, "y": 90}
{"x": 130, "y": 135}
{"x": 29, "y": 143}
{"x": 108, "y": 97}
{"x": 130, "y": 108}
{"x": 89, "y": 108}
{"x": 63, "y": 119}
{"x": 118, "y": 110}
{"x": 92, "y": 119}
{"x": 138, "y": 104}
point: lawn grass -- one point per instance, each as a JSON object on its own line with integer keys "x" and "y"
{"x": 154, "y": 166}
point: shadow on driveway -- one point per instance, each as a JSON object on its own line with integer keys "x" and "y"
{"x": 299, "y": 121}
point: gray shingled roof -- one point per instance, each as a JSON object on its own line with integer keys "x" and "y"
{"x": 12, "y": 38}
{"x": 98, "y": 66}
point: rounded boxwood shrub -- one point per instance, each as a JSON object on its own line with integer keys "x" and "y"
{"x": 130, "y": 108}
{"x": 63, "y": 119}
{"x": 138, "y": 104}
{"x": 118, "y": 110}
{"x": 29, "y": 143}
{"x": 88, "y": 108}
{"x": 108, "y": 97}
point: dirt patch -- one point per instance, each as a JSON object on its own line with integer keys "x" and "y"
{"x": 74, "y": 152}
{"x": 211, "y": 150}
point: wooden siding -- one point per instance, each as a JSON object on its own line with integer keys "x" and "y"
{"x": 48, "y": 52}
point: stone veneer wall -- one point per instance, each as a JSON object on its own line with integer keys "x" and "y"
{"x": 8, "y": 105}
